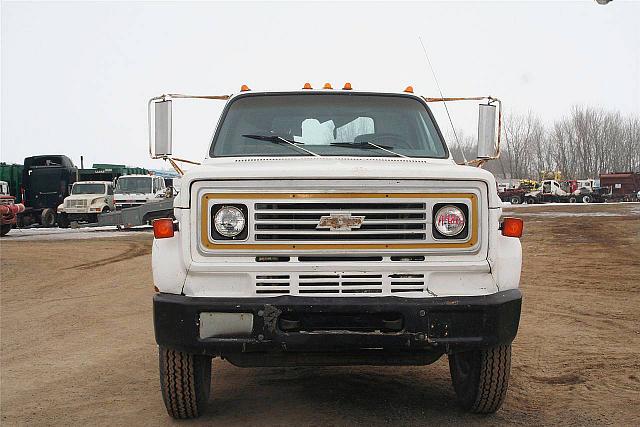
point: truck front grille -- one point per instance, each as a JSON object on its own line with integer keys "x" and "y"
{"x": 300, "y": 221}
{"x": 75, "y": 204}
{"x": 354, "y": 283}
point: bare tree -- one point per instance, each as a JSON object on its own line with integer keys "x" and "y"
{"x": 583, "y": 144}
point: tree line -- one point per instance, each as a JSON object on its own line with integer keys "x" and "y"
{"x": 583, "y": 144}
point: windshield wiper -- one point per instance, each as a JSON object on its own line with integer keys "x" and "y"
{"x": 280, "y": 140}
{"x": 366, "y": 145}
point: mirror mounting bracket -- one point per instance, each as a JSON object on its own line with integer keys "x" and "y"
{"x": 159, "y": 118}
{"x": 490, "y": 101}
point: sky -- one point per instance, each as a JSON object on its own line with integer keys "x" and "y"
{"x": 76, "y": 77}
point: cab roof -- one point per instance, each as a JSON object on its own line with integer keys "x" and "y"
{"x": 94, "y": 182}
{"x": 323, "y": 92}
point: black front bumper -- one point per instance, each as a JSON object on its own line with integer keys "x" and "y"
{"x": 289, "y": 324}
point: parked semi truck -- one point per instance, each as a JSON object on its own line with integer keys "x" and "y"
{"x": 333, "y": 227}
{"x": 46, "y": 181}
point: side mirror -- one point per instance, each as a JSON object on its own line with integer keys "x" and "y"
{"x": 487, "y": 131}
{"x": 160, "y": 129}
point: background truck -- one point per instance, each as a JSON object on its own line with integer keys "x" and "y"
{"x": 11, "y": 173}
{"x": 552, "y": 191}
{"x": 334, "y": 228}
{"x": 136, "y": 190}
{"x": 515, "y": 196}
{"x": 9, "y": 210}
{"x": 88, "y": 199}
{"x": 621, "y": 186}
{"x": 46, "y": 181}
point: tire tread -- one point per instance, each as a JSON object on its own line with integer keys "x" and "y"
{"x": 482, "y": 390}
{"x": 494, "y": 379}
{"x": 178, "y": 382}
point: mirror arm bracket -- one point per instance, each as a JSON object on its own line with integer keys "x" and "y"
{"x": 150, "y": 118}
{"x": 491, "y": 100}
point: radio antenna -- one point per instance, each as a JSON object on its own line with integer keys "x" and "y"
{"x": 443, "y": 101}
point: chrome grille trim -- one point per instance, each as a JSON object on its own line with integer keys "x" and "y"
{"x": 252, "y": 192}
{"x": 297, "y": 221}
{"x": 75, "y": 203}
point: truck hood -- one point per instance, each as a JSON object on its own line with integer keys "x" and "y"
{"x": 132, "y": 196}
{"x": 87, "y": 197}
{"x": 335, "y": 168}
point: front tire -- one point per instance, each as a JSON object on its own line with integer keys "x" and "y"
{"x": 48, "y": 218}
{"x": 185, "y": 380}
{"x": 63, "y": 220}
{"x": 481, "y": 378}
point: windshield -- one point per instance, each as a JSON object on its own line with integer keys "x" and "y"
{"x": 137, "y": 184}
{"x": 353, "y": 123}
{"x": 88, "y": 189}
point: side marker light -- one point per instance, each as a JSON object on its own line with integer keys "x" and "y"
{"x": 163, "y": 228}
{"x": 512, "y": 227}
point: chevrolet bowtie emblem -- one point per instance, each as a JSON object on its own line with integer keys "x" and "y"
{"x": 340, "y": 222}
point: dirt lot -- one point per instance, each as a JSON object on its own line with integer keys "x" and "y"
{"x": 78, "y": 348}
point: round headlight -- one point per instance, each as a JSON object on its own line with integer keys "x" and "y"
{"x": 229, "y": 221}
{"x": 450, "y": 221}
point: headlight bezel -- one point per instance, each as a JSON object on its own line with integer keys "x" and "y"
{"x": 216, "y": 208}
{"x": 463, "y": 234}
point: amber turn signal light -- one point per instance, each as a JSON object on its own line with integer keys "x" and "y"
{"x": 512, "y": 227}
{"x": 163, "y": 228}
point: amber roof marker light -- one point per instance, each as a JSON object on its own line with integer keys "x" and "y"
{"x": 327, "y": 86}
{"x": 307, "y": 86}
{"x": 244, "y": 88}
{"x": 409, "y": 89}
{"x": 347, "y": 86}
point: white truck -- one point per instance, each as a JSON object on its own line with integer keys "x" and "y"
{"x": 136, "y": 190}
{"x": 333, "y": 227}
{"x": 87, "y": 200}
{"x": 552, "y": 191}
